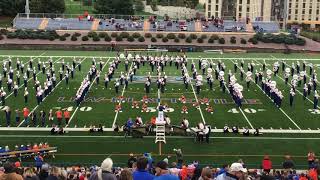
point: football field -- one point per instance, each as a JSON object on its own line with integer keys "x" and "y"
{"x": 257, "y": 111}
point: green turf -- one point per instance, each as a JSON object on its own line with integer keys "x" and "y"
{"x": 94, "y": 149}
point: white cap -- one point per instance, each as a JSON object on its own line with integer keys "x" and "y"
{"x": 106, "y": 165}
{"x": 236, "y": 167}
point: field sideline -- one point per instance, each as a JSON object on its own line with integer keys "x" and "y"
{"x": 258, "y": 111}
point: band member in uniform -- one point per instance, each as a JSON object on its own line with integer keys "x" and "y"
{"x": 315, "y": 100}
{"x": 26, "y": 93}
{"x": 116, "y": 86}
{"x": 292, "y": 94}
{"x": 305, "y": 91}
{"x": 147, "y": 87}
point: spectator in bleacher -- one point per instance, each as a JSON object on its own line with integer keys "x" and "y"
{"x": 223, "y": 170}
{"x": 44, "y": 172}
{"x": 235, "y": 172}
{"x": 288, "y": 163}
{"x": 38, "y": 161}
{"x": 179, "y": 156}
{"x": 311, "y": 157}
{"x": 303, "y": 177}
{"x": 131, "y": 160}
{"x": 105, "y": 171}
{"x": 162, "y": 172}
{"x": 125, "y": 174}
{"x": 313, "y": 174}
{"x": 55, "y": 173}
{"x": 141, "y": 173}
{"x": 9, "y": 173}
{"x": 29, "y": 174}
{"x": 206, "y": 174}
{"x": 266, "y": 164}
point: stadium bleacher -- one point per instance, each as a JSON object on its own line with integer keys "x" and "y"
{"x": 138, "y": 25}
{"x": 232, "y": 26}
{"x": 172, "y": 26}
{"x": 120, "y": 25}
{"x": 268, "y": 27}
{"x": 27, "y": 23}
{"x": 69, "y": 24}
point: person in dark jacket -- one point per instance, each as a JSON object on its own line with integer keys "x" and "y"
{"x": 288, "y": 163}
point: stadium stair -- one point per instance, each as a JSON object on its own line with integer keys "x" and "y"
{"x": 95, "y": 25}
{"x": 43, "y": 24}
{"x": 198, "y": 26}
{"x": 249, "y": 27}
{"x": 146, "y": 25}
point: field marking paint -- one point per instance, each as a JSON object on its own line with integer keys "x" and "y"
{"x": 187, "y": 155}
{"x": 296, "y": 88}
{"x": 195, "y": 95}
{"x": 35, "y": 108}
{"x": 85, "y": 129}
{"x": 278, "y": 108}
{"x": 93, "y": 82}
{"x": 245, "y": 117}
{"x": 169, "y": 137}
{"x": 122, "y": 93}
{"x": 245, "y": 58}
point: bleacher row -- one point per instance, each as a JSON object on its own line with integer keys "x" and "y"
{"x": 139, "y": 25}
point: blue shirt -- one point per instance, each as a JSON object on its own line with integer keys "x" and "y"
{"x": 167, "y": 177}
{"x": 129, "y": 123}
{"x": 142, "y": 175}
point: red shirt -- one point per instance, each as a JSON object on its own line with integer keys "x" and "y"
{"x": 266, "y": 164}
{"x": 66, "y": 114}
{"x": 25, "y": 113}
{"x": 59, "y": 114}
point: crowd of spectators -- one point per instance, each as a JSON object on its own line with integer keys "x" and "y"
{"x": 144, "y": 168}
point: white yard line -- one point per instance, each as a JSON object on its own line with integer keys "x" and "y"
{"x": 170, "y": 137}
{"x": 195, "y": 95}
{"x": 278, "y": 108}
{"x": 249, "y": 58}
{"x": 35, "y": 108}
{"x": 122, "y": 93}
{"x": 244, "y": 115}
{"x": 93, "y": 82}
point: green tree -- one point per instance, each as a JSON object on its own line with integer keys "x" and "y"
{"x": 114, "y": 7}
{"x": 138, "y": 6}
{"x": 54, "y": 6}
{"x": 11, "y": 7}
{"x": 47, "y": 6}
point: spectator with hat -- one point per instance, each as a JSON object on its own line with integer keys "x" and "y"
{"x": 235, "y": 172}
{"x": 44, "y": 172}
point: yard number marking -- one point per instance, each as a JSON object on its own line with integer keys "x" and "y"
{"x": 70, "y": 108}
{"x": 248, "y": 110}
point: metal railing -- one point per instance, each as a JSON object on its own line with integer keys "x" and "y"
{"x": 67, "y": 16}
